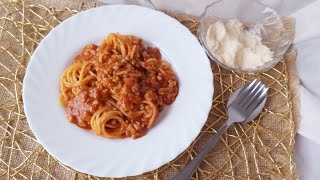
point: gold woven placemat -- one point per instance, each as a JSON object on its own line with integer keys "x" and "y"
{"x": 262, "y": 149}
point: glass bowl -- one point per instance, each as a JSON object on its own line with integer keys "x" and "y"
{"x": 257, "y": 18}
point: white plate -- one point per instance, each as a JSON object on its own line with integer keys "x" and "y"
{"x": 178, "y": 125}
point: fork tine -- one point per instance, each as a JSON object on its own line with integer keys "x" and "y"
{"x": 257, "y": 94}
{"x": 258, "y": 99}
{"x": 244, "y": 93}
{"x": 244, "y": 88}
{"x": 246, "y": 101}
{"x": 250, "y": 98}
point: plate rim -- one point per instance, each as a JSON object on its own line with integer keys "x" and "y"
{"x": 60, "y": 26}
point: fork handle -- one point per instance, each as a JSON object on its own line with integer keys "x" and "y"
{"x": 190, "y": 168}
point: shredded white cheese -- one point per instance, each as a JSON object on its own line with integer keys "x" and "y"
{"x": 232, "y": 45}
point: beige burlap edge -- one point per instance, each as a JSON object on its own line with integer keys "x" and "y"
{"x": 294, "y": 84}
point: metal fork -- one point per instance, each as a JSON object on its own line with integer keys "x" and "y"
{"x": 243, "y": 106}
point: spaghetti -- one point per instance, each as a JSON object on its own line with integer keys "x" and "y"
{"x": 117, "y": 89}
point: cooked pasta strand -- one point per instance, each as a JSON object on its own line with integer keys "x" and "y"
{"x": 117, "y": 89}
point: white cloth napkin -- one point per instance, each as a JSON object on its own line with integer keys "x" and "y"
{"x": 307, "y": 155}
{"x": 308, "y": 64}
{"x": 307, "y": 43}
{"x": 308, "y": 25}
{"x": 196, "y": 7}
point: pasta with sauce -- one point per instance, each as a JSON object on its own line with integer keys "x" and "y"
{"x": 117, "y": 89}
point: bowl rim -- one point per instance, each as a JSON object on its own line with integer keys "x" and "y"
{"x": 262, "y": 68}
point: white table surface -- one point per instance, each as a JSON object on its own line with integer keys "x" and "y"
{"x": 307, "y": 152}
